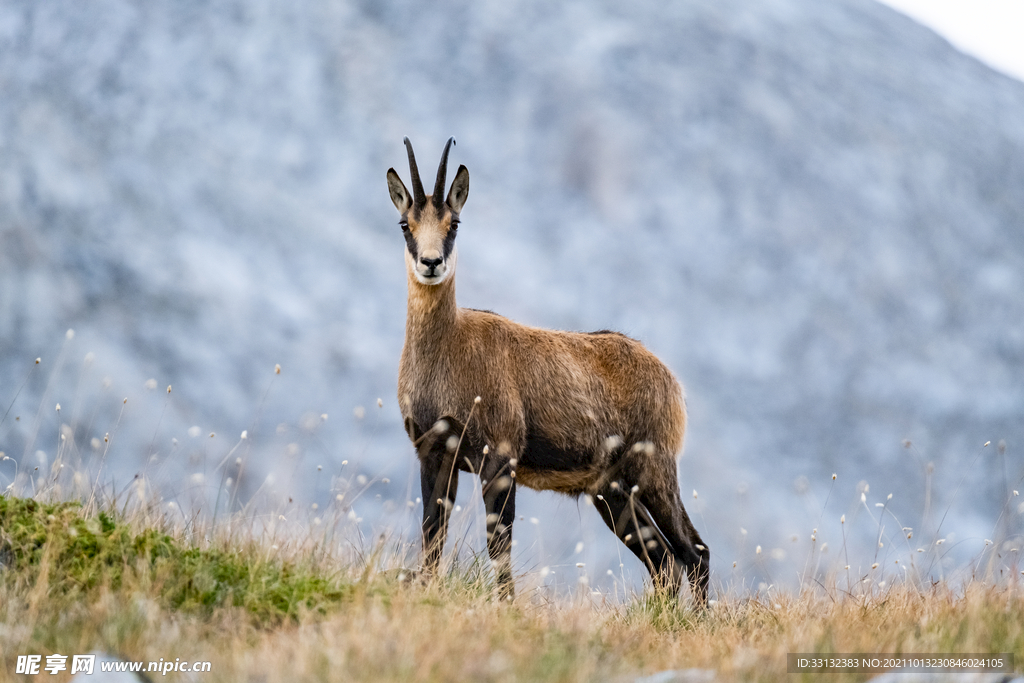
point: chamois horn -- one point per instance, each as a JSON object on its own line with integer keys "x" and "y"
{"x": 419, "y": 198}
{"x": 442, "y": 174}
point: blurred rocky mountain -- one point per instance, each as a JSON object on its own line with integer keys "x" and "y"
{"x": 812, "y": 211}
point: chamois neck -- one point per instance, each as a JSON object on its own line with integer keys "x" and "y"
{"x": 431, "y": 313}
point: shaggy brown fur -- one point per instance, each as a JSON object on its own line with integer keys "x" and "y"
{"x": 576, "y": 413}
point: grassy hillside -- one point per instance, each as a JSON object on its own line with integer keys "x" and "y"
{"x": 314, "y": 607}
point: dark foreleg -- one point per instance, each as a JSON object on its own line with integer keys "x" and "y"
{"x": 439, "y": 482}
{"x": 499, "y": 489}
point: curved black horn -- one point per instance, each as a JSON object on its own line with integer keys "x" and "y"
{"x": 419, "y": 199}
{"x": 442, "y": 176}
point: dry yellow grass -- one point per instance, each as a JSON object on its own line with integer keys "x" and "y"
{"x": 347, "y": 620}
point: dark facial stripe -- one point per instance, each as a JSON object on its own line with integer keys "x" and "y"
{"x": 449, "y": 239}
{"x": 410, "y": 243}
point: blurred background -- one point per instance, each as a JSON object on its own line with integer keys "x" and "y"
{"x": 812, "y": 211}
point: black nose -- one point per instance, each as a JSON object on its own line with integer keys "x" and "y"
{"x": 431, "y": 262}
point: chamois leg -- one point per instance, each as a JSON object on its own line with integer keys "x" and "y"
{"x": 666, "y": 508}
{"x": 439, "y": 482}
{"x": 630, "y": 521}
{"x": 499, "y": 490}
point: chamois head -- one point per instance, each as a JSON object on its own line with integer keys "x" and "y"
{"x": 428, "y": 222}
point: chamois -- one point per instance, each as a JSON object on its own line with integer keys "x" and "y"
{"x": 578, "y": 413}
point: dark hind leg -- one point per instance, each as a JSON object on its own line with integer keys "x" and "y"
{"x": 663, "y": 502}
{"x": 631, "y": 522}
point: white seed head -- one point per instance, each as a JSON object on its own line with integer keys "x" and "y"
{"x": 634, "y": 489}
{"x": 277, "y": 368}
{"x": 863, "y": 498}
{"x": 874, "y": 566}
{"x": 487, "y": 449}
{"x": 213, "y": 434}
{"x": 842, "y": 520}
{"x": 58, "y": 407}
{"x": 477, "y": 400}
{"x": 380, "y": 403}
{"x": 627, "y": 538}
{"x": 69, "y": 335}
{"x": 441, "y": 426}
{"x": 986, "y": 444}
{"x": 319, "y": 468}
{"x": 757, "y": 551}
{"x": 695, "y": 494}
{"x": 168, "y": 388}
{"x": 245, "y": 434}
{"x": 833, "y": 476}
{"x": 38, "y": 360}
{"x": 534, "y": 520}
{"x": 700, "y": 547}
{"x": 612, "y": 442}
{"x": 150, "y": 384}
{"x": 889, "y": 497}
{"x": 580, "y": 565}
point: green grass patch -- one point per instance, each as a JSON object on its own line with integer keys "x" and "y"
{"x": 54, "y": 550}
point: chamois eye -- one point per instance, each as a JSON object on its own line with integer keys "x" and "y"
{"x": 404, "y": 225}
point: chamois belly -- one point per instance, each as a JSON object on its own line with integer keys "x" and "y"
{"x": 545, "y": 466}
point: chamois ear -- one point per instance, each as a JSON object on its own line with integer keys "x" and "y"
{"x": 399, "y": 195}
{"x": 460, "y": 190}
